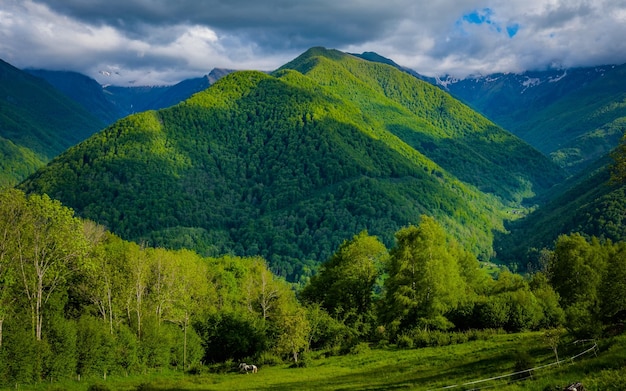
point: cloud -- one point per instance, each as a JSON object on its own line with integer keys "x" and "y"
{"x": 164, "y": 41}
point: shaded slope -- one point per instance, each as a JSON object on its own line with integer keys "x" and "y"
{"x": 584, "y": 125}
{"x": 130, "y": 100}
{"x": 588, "y": 203}
{"x": 83, "y": 90}
{"x": 574, "y": 116}
{"x": 37, "y": 122}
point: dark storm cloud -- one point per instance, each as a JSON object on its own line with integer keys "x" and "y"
{"x": 280, "y": 24}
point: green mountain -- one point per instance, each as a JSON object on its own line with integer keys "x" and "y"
{"x": 37, "y": 122}
{"x": 83, "y": 90}
{"x": 289, "y": 165}
{"x": 575, "y": 116}
{"x": 588, "y": 203}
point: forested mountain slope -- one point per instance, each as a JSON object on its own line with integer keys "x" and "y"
{"x": 589, "y": 203}
{"x": 574, "y": 116}
{"x": 37, "y": 122}
{"x": 289, "y": 165}
{"x": 83, "y": 90}
{"x": 434, "y": 123}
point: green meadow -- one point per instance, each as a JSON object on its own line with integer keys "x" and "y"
{"x": 457, "y": 367}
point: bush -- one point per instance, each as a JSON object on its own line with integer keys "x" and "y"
{"x": 268, "y": 358}
{"x": 405, "y": 342}
{"x": 360, "y": 348}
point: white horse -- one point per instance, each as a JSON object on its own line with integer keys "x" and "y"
{"x": 243, "y": 367}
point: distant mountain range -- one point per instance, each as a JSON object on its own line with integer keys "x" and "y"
{"x": 574, "y": 115}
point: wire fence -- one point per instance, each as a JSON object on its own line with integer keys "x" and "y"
{"x": 481, "y": 386}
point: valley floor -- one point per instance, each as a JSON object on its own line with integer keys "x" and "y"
{"x": 457, "y": 367}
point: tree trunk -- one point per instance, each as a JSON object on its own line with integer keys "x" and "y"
{"x": 39, "y": 309}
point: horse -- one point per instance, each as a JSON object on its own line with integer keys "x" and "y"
{"x": 243, "y": 367}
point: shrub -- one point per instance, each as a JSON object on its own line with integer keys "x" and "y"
{"x": 268, "y": 358}
{"x": 405, "y": 342}
{"x": 360, "y": 348}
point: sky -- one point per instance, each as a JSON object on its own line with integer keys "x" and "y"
{"x": 153, "y": 42}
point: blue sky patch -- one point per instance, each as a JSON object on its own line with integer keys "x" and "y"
{"x": 484, "y": 17}
{"x": 479, "y": 16}
{"x": 512, "y": 29}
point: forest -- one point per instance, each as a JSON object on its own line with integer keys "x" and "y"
{"x": 78, "y": 301}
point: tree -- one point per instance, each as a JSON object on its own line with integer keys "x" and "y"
{"x": 424, "y": 279}
{"x": 344, "y": 284}
{"x": 613, "y": 287}
{"x": 50, "y": 246}
{"x": 618, "y": 174}
{"x": 139, "y": 269}
{"x": 12, "y": 209}
{"x": 553, "y": 337}
{"x": 576, "y": 269}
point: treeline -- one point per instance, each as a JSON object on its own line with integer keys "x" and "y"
{"x": 78, "y": 301}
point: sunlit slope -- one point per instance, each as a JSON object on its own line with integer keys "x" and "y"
{"x": 433, "y": 122}
{"x": 279, "y": 165}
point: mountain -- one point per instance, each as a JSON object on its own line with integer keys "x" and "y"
{"x": 37, "y": 122}
{"x": 110, "y": 103}
{"x": 288, "y": 165}
{"x": 588, "y": 203}
{"x": 375, "y": 57}
{"x": 573, "y": 115}
{"x": 83, "y": 90}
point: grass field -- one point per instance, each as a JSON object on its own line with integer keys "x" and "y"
{"x": 406, "y": 369}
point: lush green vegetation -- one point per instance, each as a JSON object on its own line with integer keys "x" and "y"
{"x": 390, "y": 368}
{"x": 37, "y": 122}
{"x": 287, "y": 166}
{"x": 77, "y": 301}
{"x": 591, "y": 203}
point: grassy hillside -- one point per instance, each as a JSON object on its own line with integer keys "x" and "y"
{"x": 37, "y": 122}
{"x": 289, "y": 165}
{"x": 429, "y": 368}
